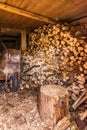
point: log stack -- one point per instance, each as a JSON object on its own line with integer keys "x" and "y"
{"x": 57, "y": 54}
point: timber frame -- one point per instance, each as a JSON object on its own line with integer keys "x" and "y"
{"x": 27, "y": 14}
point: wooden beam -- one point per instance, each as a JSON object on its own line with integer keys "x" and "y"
{"x": 7, "y": 38}
{"x": 23, "y": 40}
{"x": 27, "y": 14}
{"x": 78, "y": 21}
{"x": 10, "y": 30}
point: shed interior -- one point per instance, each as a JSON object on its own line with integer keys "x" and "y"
{"x": 31, "y": 26}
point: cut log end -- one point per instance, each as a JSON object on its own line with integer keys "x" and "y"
{"x": 54, "y": 90}
{"x": 53, "y": 104}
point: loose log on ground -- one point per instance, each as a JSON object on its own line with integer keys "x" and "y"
{"x": 80, "y": 100}
{"x": 83, "y": 115}
{"x": 63, "y": 124}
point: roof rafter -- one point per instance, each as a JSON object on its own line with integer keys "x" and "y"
{"x": 25, "y": 13}
{"x": 10, "y": 30}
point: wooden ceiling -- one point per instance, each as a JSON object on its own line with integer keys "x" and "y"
{"x": 29, "y": 14}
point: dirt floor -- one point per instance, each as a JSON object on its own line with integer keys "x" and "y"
{"x": 19, "y": 111}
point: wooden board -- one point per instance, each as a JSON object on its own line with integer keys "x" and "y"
{"x": 58, "y": 10}
{"x": 46, "y": 8}
{"x": 13, "y": 21}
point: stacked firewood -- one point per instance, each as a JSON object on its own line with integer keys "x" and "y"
{"x": 57, "y": 54}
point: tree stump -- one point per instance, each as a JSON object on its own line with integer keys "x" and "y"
{"x": 53, "y": 104}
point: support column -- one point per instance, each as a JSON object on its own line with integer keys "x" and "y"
{"x": 23, "y": 40}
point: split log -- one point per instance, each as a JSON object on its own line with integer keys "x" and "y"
{"x": 81, "y": 125}
{"x": 53, "y": 104}
{"x": 66, "y": 124}
{"x": 63, "y": 124}
{"x": 80, "y": 100}
{"x": 83, "y": 115}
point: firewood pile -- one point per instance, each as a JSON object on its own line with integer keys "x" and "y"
{"x": 57, "y": 54}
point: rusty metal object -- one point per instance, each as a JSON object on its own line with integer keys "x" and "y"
{"x": 10, "y": 63}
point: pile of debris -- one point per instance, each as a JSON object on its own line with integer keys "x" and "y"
{"x": 57, "y": 54}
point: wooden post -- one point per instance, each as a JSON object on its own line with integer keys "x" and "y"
{"x": 53, "y": 104}
{"x": 23, "y": 40}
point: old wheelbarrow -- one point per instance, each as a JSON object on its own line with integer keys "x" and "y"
{"x": 10, "y": 68}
